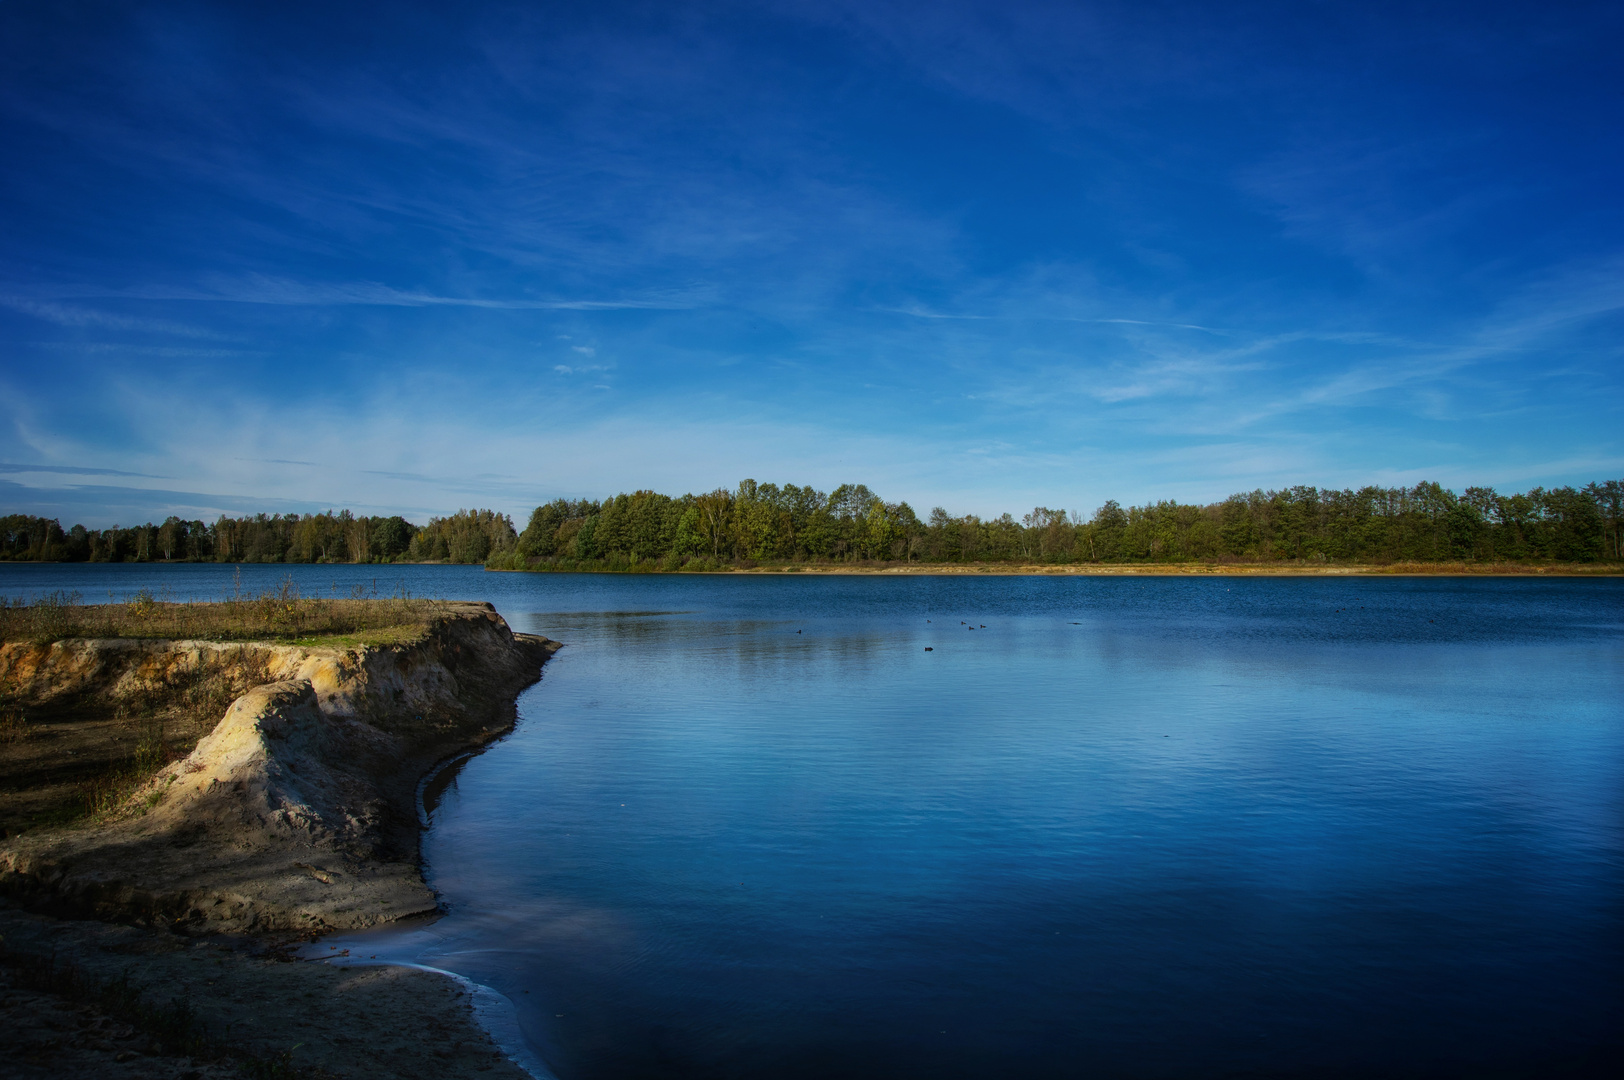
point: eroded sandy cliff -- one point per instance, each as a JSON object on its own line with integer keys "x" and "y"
{"x": 298, "y": 811}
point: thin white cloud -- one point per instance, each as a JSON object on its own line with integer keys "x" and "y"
{"x": 13, "y": 467}
{"x": 78, "y": 317}
{"x": 926, "y": 313}
{"x": 290, "y": 293}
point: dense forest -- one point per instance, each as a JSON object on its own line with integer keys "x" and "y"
{"x": 768, "y": 523}
{"x": 764, "y": 523}
{"x": 468, "y": 536}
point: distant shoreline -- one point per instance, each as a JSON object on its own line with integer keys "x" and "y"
{"x": 1132, "y": 570}
{"x": 1401, "y": 569}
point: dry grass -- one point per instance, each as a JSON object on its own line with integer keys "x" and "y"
{"x": 114, "y": 749}
{"x": 106, "y": 792}
{"x": 1224, "y": 567}
{"x": 171, "y": 717}
{"x": 13, "y": 722}
{"x": 1502, "y": 569}
{"x": 282, "y": 615}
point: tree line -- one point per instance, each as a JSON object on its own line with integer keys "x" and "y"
{"x": 757, "y": 523}
{"x": 765, "y": 523}
{"x": 468, "y": 536}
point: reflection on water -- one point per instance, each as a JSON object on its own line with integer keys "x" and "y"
{"x": 749, "y": 827}
{"x": 437, "y": 783}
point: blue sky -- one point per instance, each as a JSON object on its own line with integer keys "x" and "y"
{"x": 408, "y": 258}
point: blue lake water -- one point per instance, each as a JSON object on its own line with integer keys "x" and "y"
{"x": 1136, "y": 827}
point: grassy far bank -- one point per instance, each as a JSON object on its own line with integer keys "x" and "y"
{"x": 993, "y": 569}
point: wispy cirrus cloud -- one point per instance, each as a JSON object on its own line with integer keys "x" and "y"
{"x": 81, "y": 317}
{"x": 292, "y": 293}
{"x": 972, "y": 254}
{"x": 73, "y": 470}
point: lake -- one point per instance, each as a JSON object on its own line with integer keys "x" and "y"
{"x": 787, "y": 826}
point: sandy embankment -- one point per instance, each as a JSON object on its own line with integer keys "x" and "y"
{"x": 296, "y": 815}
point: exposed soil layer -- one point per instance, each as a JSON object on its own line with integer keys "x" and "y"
{"x": 65, "y": 756}
{"x": 296, "y": 813}
{"x": 177, "y": 812}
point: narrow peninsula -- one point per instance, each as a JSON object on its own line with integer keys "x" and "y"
{"x": 190, "y": 790}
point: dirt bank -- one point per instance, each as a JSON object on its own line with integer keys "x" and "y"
{"x": 297, "y": 812}
{"x": 292, "y": 814}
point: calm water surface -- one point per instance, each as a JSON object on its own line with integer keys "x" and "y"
{"x": 750, "y": 827}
